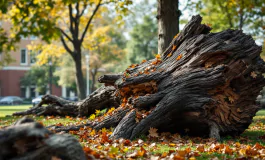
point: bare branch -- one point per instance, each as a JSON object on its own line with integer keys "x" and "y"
{"x": 82, "y": 12}
{"x": 90, "y": 20}
{"x": 66, "y": 47}
{"x": 66, "y": 35}
{"x": 76, "y": 21}
{"x": 71, "y": 17}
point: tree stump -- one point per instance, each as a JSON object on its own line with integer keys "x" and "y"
{"x": 204, "y": 84}
{"x": 29, "y": 140}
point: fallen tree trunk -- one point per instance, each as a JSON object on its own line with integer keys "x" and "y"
{"x": 204, "y": 84}
{"x": 29, "y": 140}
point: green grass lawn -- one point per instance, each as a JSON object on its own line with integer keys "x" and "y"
{"x": 8, "y": 110}
{"x": 251, "y": 136}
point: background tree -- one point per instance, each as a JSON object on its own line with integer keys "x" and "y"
{"x": 106, "y": 48}
{"x": 143, "y": 42}
{"x": 236, "y": 14}
{"x": 59, "y": 20}
{"x": 38, "y": 76}
{"x": 66, "y": 72}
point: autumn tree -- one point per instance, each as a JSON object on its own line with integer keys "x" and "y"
{"x": 143, "y": 44}
{"x": 38, "y": 76}
{"x": 106, "y": 46}
{"x": 236, "y": 14}
{"x": 62, "y": 20}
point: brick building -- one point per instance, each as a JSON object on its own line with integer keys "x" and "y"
{"x": 11, "y": 74}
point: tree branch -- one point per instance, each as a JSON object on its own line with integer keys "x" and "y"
{"x": 76, "y": 21}
{"x": 82, "y": 12}
{"x": 66, "y": 47}
{"x": 66, "y": 35}
{"x": 71, "y": 17}
{"x": 90, "y": 20}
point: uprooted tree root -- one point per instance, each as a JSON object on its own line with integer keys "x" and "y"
{"x": 204, "y": 84}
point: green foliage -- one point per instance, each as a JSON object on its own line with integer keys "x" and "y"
{"x": 66, "y": 20}
{"x": 66, "y": 73}
{"x": 143, "y": 43}
{"x": 39, "y": 77}
{"x": 236, "y": 14}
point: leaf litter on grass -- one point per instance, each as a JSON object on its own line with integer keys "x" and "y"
{"x": 98, "y": 144}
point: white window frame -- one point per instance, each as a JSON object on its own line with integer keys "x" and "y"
{"x": 26, "y": 58}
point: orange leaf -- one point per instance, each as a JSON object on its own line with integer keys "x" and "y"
{"x": 158, "y": 56}
{"x": 179, "y": 57}
{"x": 176, "y": 36}
{"x": 174, "y": 47}
{"x": 169, "y": 55}
{"x": 208, "y": 24}
{"x": 200, "y": 148}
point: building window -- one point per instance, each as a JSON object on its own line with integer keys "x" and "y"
{"x": 23, "y": 92}
{"x": 32, "y": 92}
{"x": 32, "y": 57}
{"x": 23, "y": 56}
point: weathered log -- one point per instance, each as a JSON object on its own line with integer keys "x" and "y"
{"x": 204, "y": 84}
{"x": 29, "y": 140}
{"x": 100, "y": 99}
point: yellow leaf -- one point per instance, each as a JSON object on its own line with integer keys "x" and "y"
{"x": 92, "y": 117}
{"x": 97, "y": 112}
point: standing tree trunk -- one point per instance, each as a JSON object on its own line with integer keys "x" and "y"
{"x": 204, "y": 84}
{"x": 94, "y": 74}
{"x": 168, "y": 22}
{"x": 79, "y": 78}
{"x": 76, "y": 40}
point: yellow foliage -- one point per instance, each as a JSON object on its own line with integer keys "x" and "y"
{"x": 92, "y": 117}
{"x": 47, "y": 52}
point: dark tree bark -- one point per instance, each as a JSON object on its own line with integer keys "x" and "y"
{"x": 204, "y": 84}
{"x": 168, "y": 22}
{"x": 79, "y": 78}
{"x": 29, "y": 140}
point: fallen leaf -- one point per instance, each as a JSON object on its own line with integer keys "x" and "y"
{"x": 231, "y": 99}
{"x": 153, "y": 132}
{"x": 55, "y": 158}
{"x": 253, "y": 75}
{"x": 174, "y": 47}
{"x": 176, "y": 36}
{"x": 179, "y": 57}
{"x": 158, "y": 56}
{"x": 169, "y": 55}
